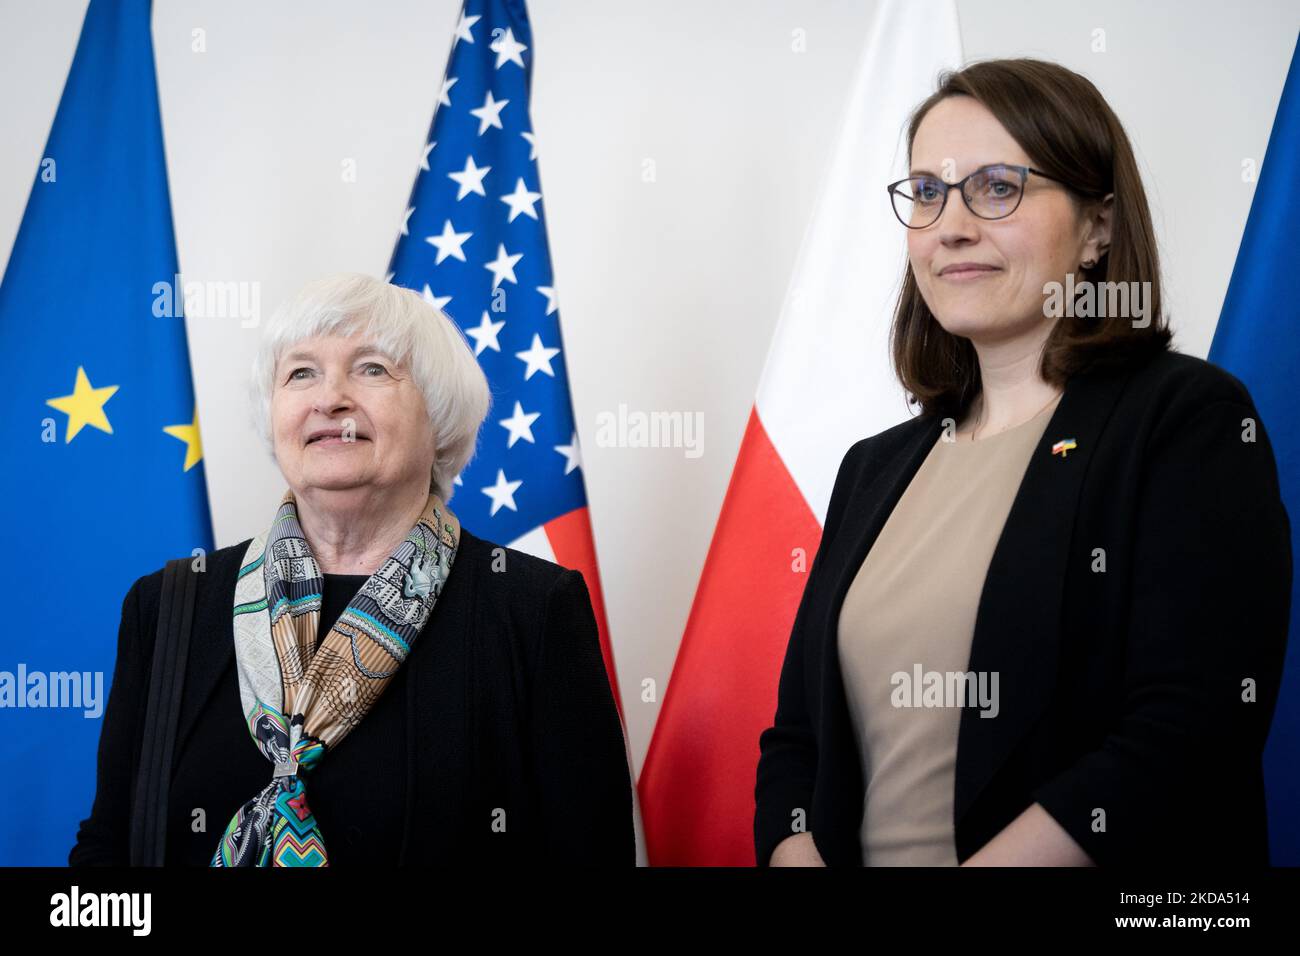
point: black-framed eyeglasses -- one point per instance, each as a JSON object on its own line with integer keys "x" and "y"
{"x": 991, "y": 192}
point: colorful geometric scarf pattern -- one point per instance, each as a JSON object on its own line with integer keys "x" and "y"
{"x": 299, "y": 700}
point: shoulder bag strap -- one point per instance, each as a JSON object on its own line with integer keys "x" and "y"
{"x": 171, "y": 650}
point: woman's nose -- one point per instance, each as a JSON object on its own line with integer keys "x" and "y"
{"x": 957, "y": 223}
{"x": 332, "y": 394}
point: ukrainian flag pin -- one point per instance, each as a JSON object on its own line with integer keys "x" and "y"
{"x": 1063, "y": 446}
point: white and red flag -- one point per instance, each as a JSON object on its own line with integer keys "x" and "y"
{"x": 827, "y": 382}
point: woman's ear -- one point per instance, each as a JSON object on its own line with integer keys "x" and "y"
{"x": 1099, "y": 218}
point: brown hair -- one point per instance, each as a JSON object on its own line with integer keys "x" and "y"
{"x": 1069, "y": 131}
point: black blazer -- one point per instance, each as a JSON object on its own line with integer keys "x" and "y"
{"x": 1121, "y": 691}
{"x": 502, "y": 714}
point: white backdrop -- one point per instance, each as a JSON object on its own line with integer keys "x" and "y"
{"x": 669, "y": 290}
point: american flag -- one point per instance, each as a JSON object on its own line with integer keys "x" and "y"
{"x": 473, "y": 242}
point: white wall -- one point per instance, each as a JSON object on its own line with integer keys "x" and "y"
{"x": 669, "y": 290}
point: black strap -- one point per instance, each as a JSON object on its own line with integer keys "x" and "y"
{"x": 171, "y": 650}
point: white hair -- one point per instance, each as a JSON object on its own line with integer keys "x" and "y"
{"x": 403, "y": 325}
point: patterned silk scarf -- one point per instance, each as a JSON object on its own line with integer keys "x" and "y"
{"x": 300, "y": 700}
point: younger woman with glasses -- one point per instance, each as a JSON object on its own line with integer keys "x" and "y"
{"x": 1047, "y": 619}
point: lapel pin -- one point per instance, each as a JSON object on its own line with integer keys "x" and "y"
{"x": 1063, "y": 446}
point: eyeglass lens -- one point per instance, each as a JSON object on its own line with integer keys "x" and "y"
{"x": 991, "y": 193}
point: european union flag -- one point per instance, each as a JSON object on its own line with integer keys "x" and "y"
{"x": 103, "y": 478}
{"x": 1256, "y": 339}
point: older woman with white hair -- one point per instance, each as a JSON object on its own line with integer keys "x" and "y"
{"x": 365, "y": 682}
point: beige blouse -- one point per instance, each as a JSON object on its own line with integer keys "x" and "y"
{"x": 910, "y": 611}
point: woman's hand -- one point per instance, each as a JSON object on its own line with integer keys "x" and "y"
{"x": 1032, "y": 839}
{"x": 797, "y": 850}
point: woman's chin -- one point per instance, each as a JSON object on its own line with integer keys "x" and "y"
{"x": 334, "y": 479}
{"x": 968, "y": 325}
{"x": 982, "y": 326}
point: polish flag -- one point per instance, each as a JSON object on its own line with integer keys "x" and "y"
{"x": 827, "y": 382}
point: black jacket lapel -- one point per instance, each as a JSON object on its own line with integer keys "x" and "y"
{"x": 864, "y": 516}
{"x": 1018, "y": 624}
{"x": 212, "y": 645}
